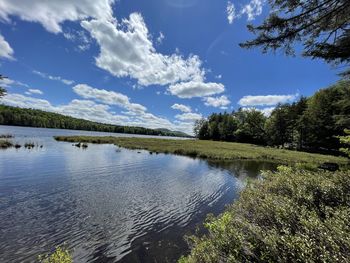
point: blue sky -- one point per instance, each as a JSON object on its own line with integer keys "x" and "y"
{"x": 154, "y": 63}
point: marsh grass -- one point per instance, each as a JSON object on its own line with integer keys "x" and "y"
{"x": 6, "y": 136}
{"x": 211, "y": 149}
{"x": 29, "y": 145}
{"x": 4, "y": 144}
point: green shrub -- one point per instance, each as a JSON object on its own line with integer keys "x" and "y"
{"x": 61, "y": 255}
{"x": 290, "y": 216}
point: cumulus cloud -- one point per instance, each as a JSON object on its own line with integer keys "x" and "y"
{"x": 22, "y": 101}
{"x": 51, "y": 14}
{"x": 126, "y": 47}
{"x": 57, "y": 78}
{"x": 108, "y": 97}
{"x": 181, "y": 107}
{"x": 190, "y": 116}
{"x": 127, "y": 50}
{"x": 230, "y": 10}
{"x": 34, "y": 91}
{"x": 267, "y": 100}
{"x": 218, "y": 102}
{"x": 196, "y": 89}
{"x": 5, "y": 49}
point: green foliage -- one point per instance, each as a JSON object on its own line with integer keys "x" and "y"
{"x": 321, "y": 25}
{"x": 37, "y": 118}
{"x": 346, "y": 141}
{"x": 61, "y": 255}
{"x": 211, "y": 149}
{"x": 290, "y": 216}
{"x": 327, "y": 115}
{"x": 240, "y": 126}
{"x": 308, "y": 124}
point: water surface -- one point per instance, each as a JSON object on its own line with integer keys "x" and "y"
{"x": 106, "y": 203}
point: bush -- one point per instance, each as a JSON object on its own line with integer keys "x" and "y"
{"x": 60, "y": 255}
{"x": 290, "y": 216}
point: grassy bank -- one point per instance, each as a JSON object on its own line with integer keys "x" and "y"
{"x": 291, "y": 216}
{"x": 210, "y": 149}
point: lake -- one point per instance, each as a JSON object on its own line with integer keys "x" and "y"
{"x": 107, "y": 204}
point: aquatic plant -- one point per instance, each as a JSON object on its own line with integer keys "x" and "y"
{"x": 4, "y": 144}
{"x": 29, "y": 145}
{"x": 60, "y": 255}
{"x": 81, "y": 145}
{"x": 6, "y": 136}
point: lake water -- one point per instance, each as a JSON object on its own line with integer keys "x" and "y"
{"x": 107, "y": 204}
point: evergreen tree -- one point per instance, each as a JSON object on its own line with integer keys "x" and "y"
{"x": 345, "y": 140}
{"x": 323, "y": 27}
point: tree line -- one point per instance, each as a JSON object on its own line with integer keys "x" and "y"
{"x": 36, "y": 118}
{"x": 312, "y": 123}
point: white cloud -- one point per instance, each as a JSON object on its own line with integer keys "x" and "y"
{"x": 230, "y": 11}
{"x": 160, "y": 38}
{"x": 34, "y": 91}
{"x": 196, "y": 89}
{"x": 107, "y": 97}
{"x": 51, "y": 14}
{"x": 217, "y": 102}
{"x": 47, "y": 76}
{"x": 266, "y": 100}
{"x": 189, "y": 116}
{"x": 266, "y": 111}
{"x": 181, "y": 107}
{"x": 5, "y": 49}
{"x": 253, "y": 8}
{"x": 22, "y": 101}
{"x": 6, "y": 82}
{"x": 126, "y": 50}
{"x": 79, "y": 37}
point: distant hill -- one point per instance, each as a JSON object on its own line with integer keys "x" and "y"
{"x": 37, "y": 118}
{"x": 177, "y": 133}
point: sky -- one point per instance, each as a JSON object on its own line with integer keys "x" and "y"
{"x": 154, "y": 63}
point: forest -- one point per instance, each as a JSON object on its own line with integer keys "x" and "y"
{"x": 36, "y": 118}
{"x": 309, "y": 124}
